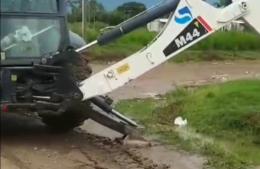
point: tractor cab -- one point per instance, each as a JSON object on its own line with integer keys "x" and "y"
{"x": 40, "y": 72}
{"x": 32, "y": 30}
{"x": 35, "y": 54}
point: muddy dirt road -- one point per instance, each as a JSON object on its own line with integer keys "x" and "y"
{"x": 26, "y": 143}
{"x": 169, "y": 75}
{"x": 31, "y": 146}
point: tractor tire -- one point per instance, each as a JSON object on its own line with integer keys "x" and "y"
{"x": 68, "y": 120}
{"x": 63, "y": 123}
{"x": 78, "y": 112}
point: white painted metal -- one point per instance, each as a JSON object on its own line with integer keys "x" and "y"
{"x": 148, "y": 58}
{"x": 253, "y": 17}
{"x": 86, "y": 46}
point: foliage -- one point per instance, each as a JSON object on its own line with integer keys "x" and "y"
{"x": 131, "y": 9}
{"x": 223, "y": 120}
{"x": 231, "y": 41}
{"x": 95, "y": 12}
{"x": 121, "y": 48}
{"x": 220, "y": 46}
{"x": 118, "y": 49}
{"x": 229, "y": 107}
{"x": 76, "y": 15}
{"x": 215, "y": 55}
{"x": 91, "y": 31}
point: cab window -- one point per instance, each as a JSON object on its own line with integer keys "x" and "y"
{"x": 30, "y": 37}
{"x": 38, "y": 6}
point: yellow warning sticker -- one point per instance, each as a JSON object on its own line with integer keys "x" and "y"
{"x": 123, "y": 69}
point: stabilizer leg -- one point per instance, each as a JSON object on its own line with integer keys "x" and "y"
{"x": 104, "y": 114}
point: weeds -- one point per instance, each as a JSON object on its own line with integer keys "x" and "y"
{"x": 219, "y": 46}
{"x": 223, "y": 122}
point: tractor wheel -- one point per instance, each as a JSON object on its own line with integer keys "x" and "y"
{"x": 78, "y": 112}
{"x": 68, "y": 120}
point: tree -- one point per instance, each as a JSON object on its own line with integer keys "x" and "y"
{"x": 76, "y": 15}
{"x": 131, "y": 9}
{"x": 115, "y": 18}
{"x": 93, "y": 11}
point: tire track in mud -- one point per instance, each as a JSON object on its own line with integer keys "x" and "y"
{"x": 15, "y": 161}
{"x": 78, "y": 150}
{"x": 73, "y": 151}
{"x": 146, "y": 163}
{"x": 40, "y": 149}
{"x": 122, "y": 156}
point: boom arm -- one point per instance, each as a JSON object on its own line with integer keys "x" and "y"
{"x": 190, "y": 22}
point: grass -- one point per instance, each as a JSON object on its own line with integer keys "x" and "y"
{"x": 219, "y": 46}
{"x": 230, "y": 41}
{"x": 216, "y": 55}
{"x": 224, "y": 122}
{"x": 91, "y": 33}
{"x": 123, "y": 47}
{"x": 118, "y": 49}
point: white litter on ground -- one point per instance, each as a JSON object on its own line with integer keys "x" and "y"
{"x": 179, "y": 121}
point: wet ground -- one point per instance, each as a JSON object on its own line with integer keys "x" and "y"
{"x": 27, "y": 144}
{"x": 32, "y": 146}
{"x": 169, "y": 75}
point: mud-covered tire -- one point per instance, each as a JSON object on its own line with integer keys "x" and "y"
{"x": 78, "y": 112}
{"x": 71, "y": 118}
{"x": 61, "y": 123}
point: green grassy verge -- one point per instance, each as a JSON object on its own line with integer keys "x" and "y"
{"x": 216, "y": 55}
{"x": 118, "y": 49}
{"x": 91, "y": 33}
{"x": 219, "y": 46}
{"x": 224, "y": 122}
{"x": 123, "y": 47}
{"x": 230, "y": 41}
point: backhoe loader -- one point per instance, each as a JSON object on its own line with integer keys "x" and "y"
{"x": 39, "y": 67}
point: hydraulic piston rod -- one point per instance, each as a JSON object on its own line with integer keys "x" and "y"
{"x": 144, "y": 18}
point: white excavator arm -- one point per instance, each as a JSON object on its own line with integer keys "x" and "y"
{"x": 190, "y": 22}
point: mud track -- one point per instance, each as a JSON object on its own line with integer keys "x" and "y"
{"x": 37, "y": 148}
